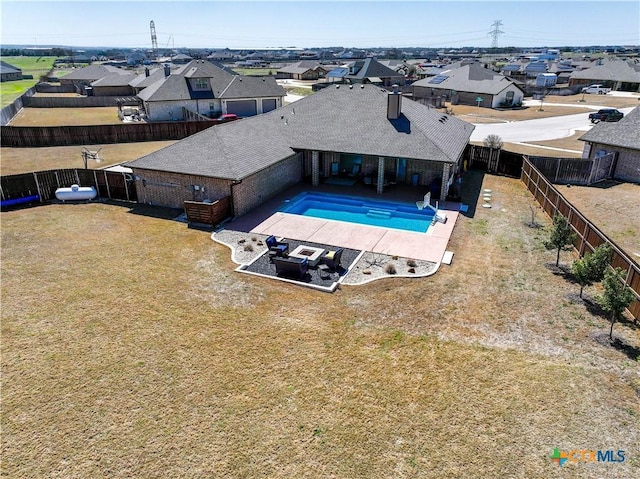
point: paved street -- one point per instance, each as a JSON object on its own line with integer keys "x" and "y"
{"x": 541, "y": 129}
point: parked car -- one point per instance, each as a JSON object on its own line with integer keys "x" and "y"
{"x": 606, "y": 114}
{"x": 227, "y": 117}
{"x": 599, "y": 89}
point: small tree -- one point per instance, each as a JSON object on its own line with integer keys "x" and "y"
{"x": 617, "y": 295}
{"x": 493, "y": 141}
{"x": 561, "y": 237}
{"x": 599, "y": 260}
{"x": 581, "y": 272}
{"x": 591, "y": 268}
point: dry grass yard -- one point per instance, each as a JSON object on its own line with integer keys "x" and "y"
{"x": 613, "y": 207}
{"x": 130, "y": 348}
{"x": 25, "y": 160}
{"x": 66, "y": 116}
{"x": 552, "y": 148}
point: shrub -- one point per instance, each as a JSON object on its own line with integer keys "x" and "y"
{"x": 248, "y": 247}
{"x": 390, "y": 269}
{"x": 411, "y": 263}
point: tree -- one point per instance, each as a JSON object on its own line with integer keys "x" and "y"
{"x": 617, "y": 295}
{"x": 561, "y": 237}
{"x": 493, "y": 141}
{"x": 599, "y": 260}
{"x": 591, "y": 268}
{"x": 581, "y": 272}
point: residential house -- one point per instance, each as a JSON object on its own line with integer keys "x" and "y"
{"x": 368, "y": 70}
{"x": 84, "y": 77}
{"x": 112, "y": 85}
{"x": 9, "y": 72}
{"x": 202, "y": 87}
{"x": 302, "y": 70}
{"x": 471, "y": 84}
{"x": 621, "y": 138}
{"x": 617, "y": 75}
{"x": 252, "y": 159}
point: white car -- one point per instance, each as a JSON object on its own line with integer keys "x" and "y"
{"x": 599, "y": 89}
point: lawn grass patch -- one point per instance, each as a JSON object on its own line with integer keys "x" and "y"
{"x": 36, "y": 66}
{"x": 105, "y": 115}
{"x": 132, "y": 348}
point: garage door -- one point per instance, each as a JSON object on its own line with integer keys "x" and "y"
{"x": 268, "y": 105}
{"x": 242, "y": 107}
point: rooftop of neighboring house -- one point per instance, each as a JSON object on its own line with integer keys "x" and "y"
{"x": 114, "y": 79}
{"x": 301, "y": 67}
{"x": 174, "y": 85}
{"x": 343, "y": 119}
{"x": 623, "y": 71}
{"x": 469, "y": 78}
{"x": 7, "y": 68}
{"x": 624, "y": 133}
{"x": 94, "y": 72}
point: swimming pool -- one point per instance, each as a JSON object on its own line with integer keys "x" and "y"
{"x": 353, "y": 209}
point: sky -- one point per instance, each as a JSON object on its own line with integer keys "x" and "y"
{"x": 308, "y": 24}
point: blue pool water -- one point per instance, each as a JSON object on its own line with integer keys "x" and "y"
{"x": 352, "y": 209}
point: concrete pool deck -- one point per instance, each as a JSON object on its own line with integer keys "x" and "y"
{"x": 430, "y": 246}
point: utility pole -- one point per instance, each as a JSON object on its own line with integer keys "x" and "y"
{"x": 495, "y": 33}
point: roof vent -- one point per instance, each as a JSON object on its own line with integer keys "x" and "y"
{"x": 362, "y": 86}
{"x": 337, "y": 87}
{"x": 350, "y": 87}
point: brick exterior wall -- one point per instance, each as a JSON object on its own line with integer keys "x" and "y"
{"x": 259, "y": 187}
{"x": 173, "y": 189}
{"x": 627, "y": 165}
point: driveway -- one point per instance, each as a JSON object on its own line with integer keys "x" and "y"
{"x": 541, "y": 129}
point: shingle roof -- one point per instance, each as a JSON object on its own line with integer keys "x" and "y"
{"x": 628, "y": 72}
{"x": 347, "y": 120}
{"x": 114, "y": 79}
{"x": 6, "y": 68}
{"x": 370, "y": 67}
{"x": 223, "y": 84}
{"x": 625, "y": 133}
{"x": 469, "y": 78}
{"x": 252, "y": 87}
{"x": 94, "y": 72}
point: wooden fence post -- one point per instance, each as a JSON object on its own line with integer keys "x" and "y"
{"x": 106, "y": 180}
{"x": 35, "y": 177}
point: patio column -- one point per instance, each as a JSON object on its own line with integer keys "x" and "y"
{"x": 380, "y": 188}
{"x": 446, "y": 171}
{"x": 315, "y": 168}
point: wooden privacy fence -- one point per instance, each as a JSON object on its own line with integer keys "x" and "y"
{"x": 588, "y": 236}
{"x": 209, "y": 214}
{"x": 79, "y": 102}
{"x": 575, "y": 171}
{"x": 19, "y": 136}
{"x": 494, "y": 160}
{"x": 109, "y": 184}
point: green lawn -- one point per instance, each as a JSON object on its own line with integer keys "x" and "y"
{"x": 36, "y": 66}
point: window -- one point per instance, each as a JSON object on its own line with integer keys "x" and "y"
{"x": 202, "y": 84}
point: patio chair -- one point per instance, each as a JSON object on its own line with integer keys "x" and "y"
{"x": 291, "y": 267}
{"x": 332, "y": 259}
{"x": 280, "y": 248}
{"x": 356, "y": 170}
{"x": 335, "y": 167}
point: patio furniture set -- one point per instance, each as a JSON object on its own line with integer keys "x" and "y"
{"x": 297, "y": 262}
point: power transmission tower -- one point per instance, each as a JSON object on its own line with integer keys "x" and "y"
{"x": 154, "y": 40}
{"x": 495, "y": 33}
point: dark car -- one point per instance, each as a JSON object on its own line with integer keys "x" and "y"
{"x": 606, "y": 114}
